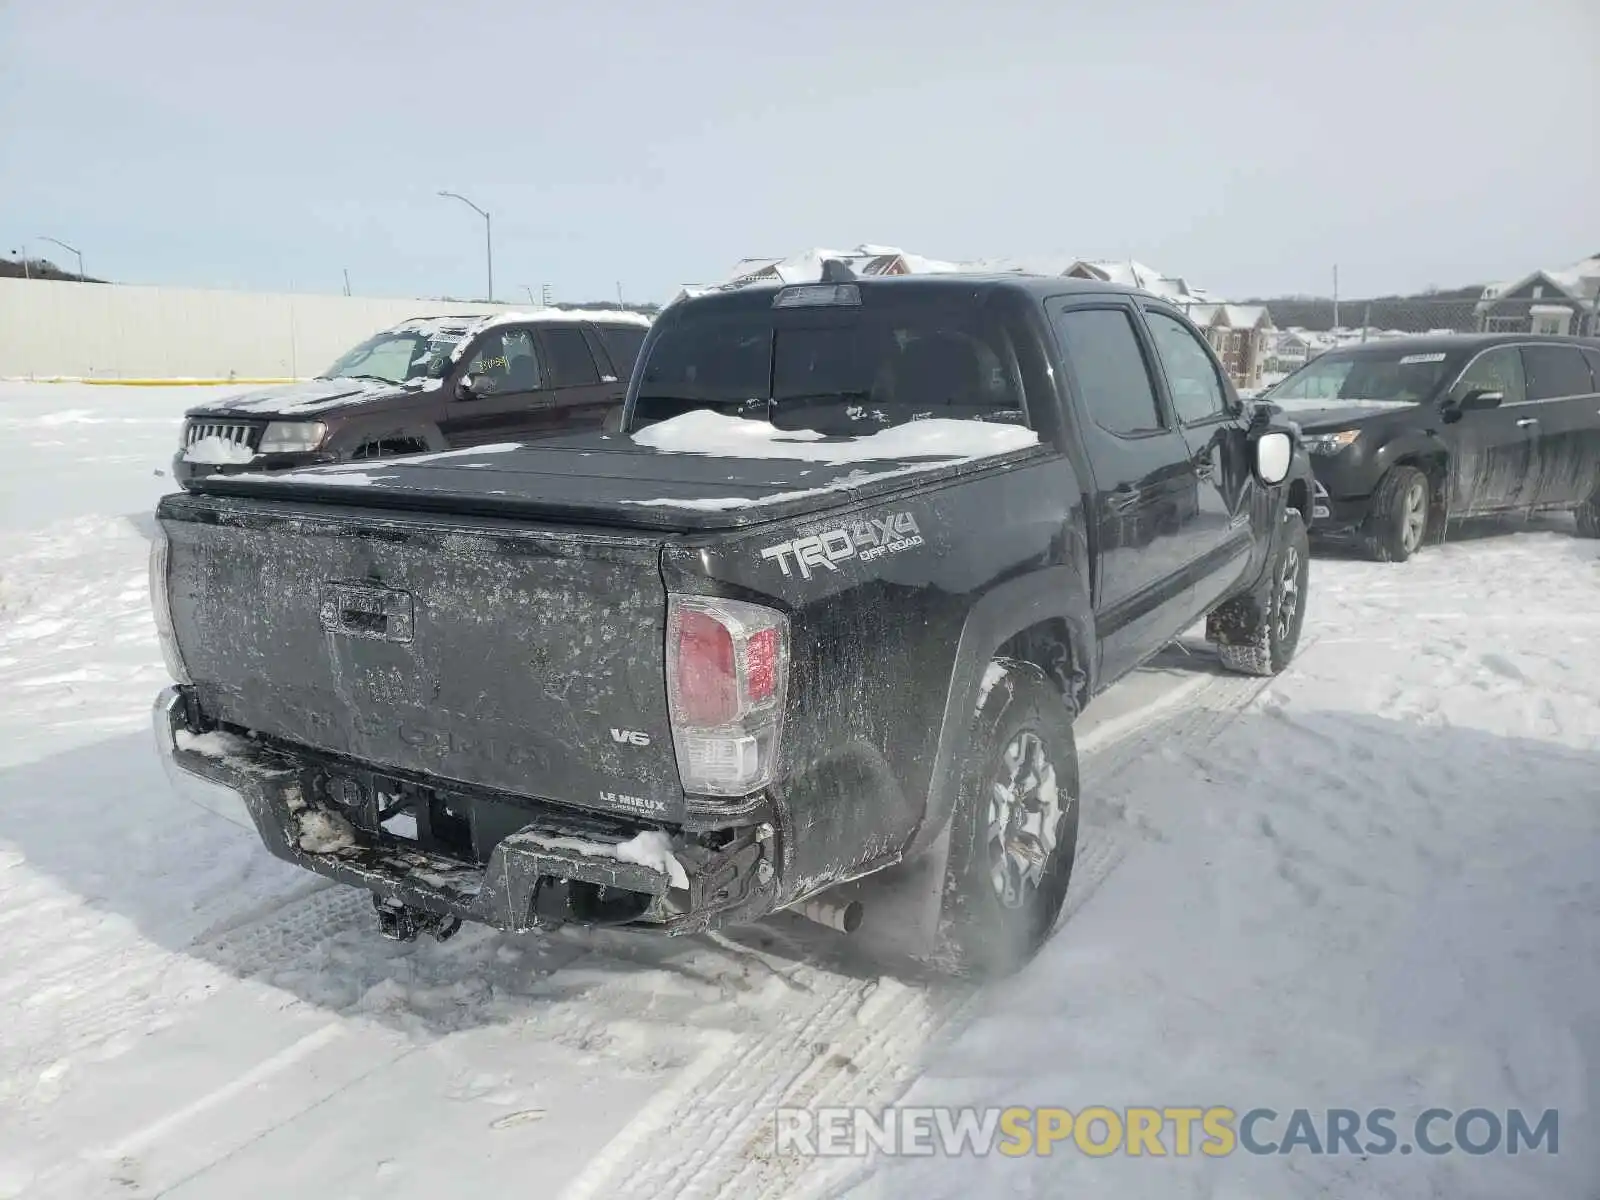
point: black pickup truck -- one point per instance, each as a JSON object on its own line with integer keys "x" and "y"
{"x": 824, "y": 607}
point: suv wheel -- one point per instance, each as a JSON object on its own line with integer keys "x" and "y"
{"x": 1398, "y": 520}
{"x": 1015, "y": 828}
{"x": 1258, "y": 634}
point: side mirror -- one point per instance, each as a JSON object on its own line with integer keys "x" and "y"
{"x": 1273, "y": 454}
{"x": 1477, "y": 400}
{"x": 1262, "y": 412}
{"x": 466, "y": 388}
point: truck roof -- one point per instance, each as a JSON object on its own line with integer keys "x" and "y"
{"x": 759, "y": 296}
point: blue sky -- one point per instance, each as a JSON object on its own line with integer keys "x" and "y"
{"x": 1246, "y": 145}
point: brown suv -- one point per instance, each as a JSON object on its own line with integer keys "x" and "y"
{"x": 434, "y": 383}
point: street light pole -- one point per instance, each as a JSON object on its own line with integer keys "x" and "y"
{"x": 488, "y": 236}
{"x": 70, "y": 249}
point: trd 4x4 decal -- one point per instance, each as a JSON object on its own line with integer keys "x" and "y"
{"x": 866, "y": 539}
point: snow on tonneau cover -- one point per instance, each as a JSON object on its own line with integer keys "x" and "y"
{"x": 393, "y": 613}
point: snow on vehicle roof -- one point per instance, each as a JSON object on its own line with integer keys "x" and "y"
{"x": 598, "y": 316}
{"x": 706, "y": 432}
{"x": 439, "y": 326}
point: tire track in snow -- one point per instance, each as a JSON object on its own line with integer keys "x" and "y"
{"x": 859, "y": 1042}
{"x": 854, "y": 1041}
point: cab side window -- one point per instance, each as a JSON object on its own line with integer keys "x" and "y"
{"x": 1192, "y": 377}
{"x": 506, "y": 361}
{"x": 1494, "y": 371}
{"x": 1103, "y": 352}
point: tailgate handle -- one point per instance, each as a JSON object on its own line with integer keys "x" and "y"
{"x": 364, "y": 611}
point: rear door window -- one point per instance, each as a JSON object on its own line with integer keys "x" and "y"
{"x": 567, "y": 357}
{"x": 1113, "y": 378}
{"x": 1555, "y": 372}
{"x": 623, "y": 343}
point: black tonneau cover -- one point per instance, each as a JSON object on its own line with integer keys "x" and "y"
{"x": 600, "y": 478}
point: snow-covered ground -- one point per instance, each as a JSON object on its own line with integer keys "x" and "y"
{"x": 1374, "y": 882}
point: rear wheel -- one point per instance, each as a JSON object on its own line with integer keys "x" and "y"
{"x": 1397, "y": 522}
{"x": 1015, "y": 827}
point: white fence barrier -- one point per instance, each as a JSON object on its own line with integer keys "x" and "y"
{"x": 50, "y": 329}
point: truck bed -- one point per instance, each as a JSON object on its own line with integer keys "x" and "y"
{"x": 603, "y": 479}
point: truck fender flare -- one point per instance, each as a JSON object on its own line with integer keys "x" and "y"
{"x": 1053, "y": 593}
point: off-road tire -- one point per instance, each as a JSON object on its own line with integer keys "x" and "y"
{"x": 988, "y": 927}
{"x": 1588, "y": 514}
{"x": 1258, "y": 634}
{"x": 1397, "y": 522}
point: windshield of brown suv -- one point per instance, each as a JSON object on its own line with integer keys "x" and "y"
{"x": 835, "y": 371}
{"x": 395, "y": 356}
{"x": 1398, "y": 375}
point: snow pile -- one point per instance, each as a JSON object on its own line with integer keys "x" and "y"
{"x": 218, "y": 744}
{"x": 218, "y": 451}
{"x": 324, "y": 832}
{"x": 706, "y": 432}
{"x": 652, "y": 849}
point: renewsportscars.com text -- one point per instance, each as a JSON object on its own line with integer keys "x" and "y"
{"x": 1171, "y": 1131}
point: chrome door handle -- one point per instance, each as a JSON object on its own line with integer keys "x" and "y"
{"x": 1203, "y": 468}
{"x": 1524, "y": 422}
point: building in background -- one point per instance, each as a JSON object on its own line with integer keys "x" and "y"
{"x": 1136, "y": 274}
{"x": 1560, "y": 302}
{"x": 1241, "y": 334}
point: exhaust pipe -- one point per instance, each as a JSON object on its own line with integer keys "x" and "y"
{"x": 845, "y": 916}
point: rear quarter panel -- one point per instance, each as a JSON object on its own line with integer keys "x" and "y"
{"x": 874, "y": 642}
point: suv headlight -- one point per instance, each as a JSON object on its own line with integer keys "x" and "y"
{"x": 1330, "y": 443}
{"x": 287, "y": 437}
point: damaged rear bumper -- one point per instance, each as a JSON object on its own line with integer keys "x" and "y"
{"x": 557, "y": 867}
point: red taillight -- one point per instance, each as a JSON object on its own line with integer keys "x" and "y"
{"x": 727, "y": 687}
{"x": 708, "y": 686}
{"x": 761, "y": 666}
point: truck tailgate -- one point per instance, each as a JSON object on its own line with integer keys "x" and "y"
{"x": 529, "y": 661}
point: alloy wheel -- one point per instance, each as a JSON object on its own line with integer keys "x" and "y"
{"x": 1024, "y": 819}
